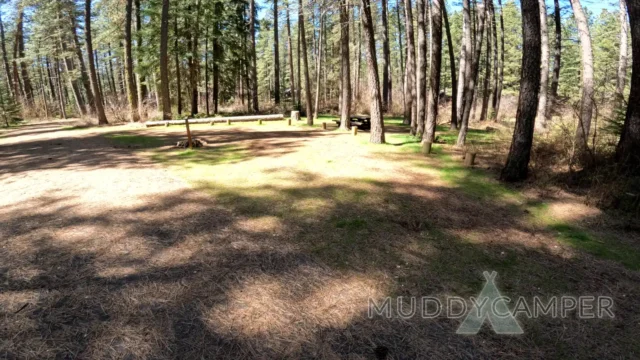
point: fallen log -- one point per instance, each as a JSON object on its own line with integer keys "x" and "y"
{"x": 211, "y": 120}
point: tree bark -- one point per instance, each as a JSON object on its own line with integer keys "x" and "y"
{"x": 557, "y": 53}
{"x": 386, "y": 60}
{"x": 194, "y": 61}
{"x": 402, "y": 50}
{"x": 26, "y": 82}
{"x": 177, "y": 61}
{"x": 252, "y": 50}
{"x": 452, "y": 65}
{"x": 628, "y": 150}
{"x": 465, "y": 59}
{"x": 345, "y": 70}
{"x": 473, "y": 76}
{"x": 494, "y": 33}
{"x": 128, "y": 59}
{"x": 52, "y": 90}
{"x": 63, "y": 110}
{"x": 276, "y": 53}
{"x": 410, "y": 68}
{"x": 5, "y": 61}
{"x": 318, "y": 68}
{"x": 140, "y": 79}
{"x": 517, "y": 165}
{"x": 417, "y": 124}
{"x": 375, "y": 102}
{"x": 586, "y": 104}
{"x": 97, "y": 95}
{"x": 164, "y": 61}
{"x": 544, "y": 68}
{"x": 487, "y": 73}
{"x": 622, "y": 61}
{"x": 434, "y": 77}
{"x": 84, "y": 77}
{"x": 307, "y": 85}
{"x": 501, "y": 69}
{"x": 292, "y": 77}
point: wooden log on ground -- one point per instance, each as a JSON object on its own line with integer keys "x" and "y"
{"x": 295, "y": 115}
{"x": 227, "y": 119}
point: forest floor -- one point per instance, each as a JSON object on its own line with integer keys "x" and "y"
{"x": 270, "y": 241}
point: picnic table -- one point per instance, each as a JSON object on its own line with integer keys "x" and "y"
{"x": 362, "y": 122}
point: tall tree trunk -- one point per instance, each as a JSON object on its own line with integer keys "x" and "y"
{"x": 345, "y": 71}
{"x": 410, "y": 68}
{"x": 26, "y": 82}
{"x": 52, "y": 91}
{"x": 318, "y": 68}
{"x": 473, "y": 77}
{"x": 622, "y": 61}
{"x": 402, "y": 50}
{"x": 628, "y": 150}
{"x": 487, "y": 72}
{"x": 140, "y": 79}
{"x": 358, "y": 58}
{"x": 501, "y": 69}
{"x": 452, "y": 65}
{"x": 586, "y": 105}
{"x": 164, "y": 61}
{"x": 375, "y": 102}
{"x": 93, "y": 76}
{"x": 5, "y": 61}
{"x": 436, "y": 64}
{"x": 252, "y": 50}
{"x": 386, "y": 60}
{"x": 292, "y": 80}
{"x": 494, "y": 33}
{"x": 276, "y": 53}
{"x": 417, "y": 126}
{"x": 465, "y": 59}
{"x": 84, "y": 77}
{"x": 194, "y": 61}
{"x": 177, "y": 61}
{"x": 63, "y": 110}
{"x": 128, "y": 59}
{"x": 299, "y": 77}
{"x": 307, "y": 85}
{"x": 517, "y": 164}
{"x": 544, "y": 69}
{"x": 557, "y": 53}
{"x": 206, "y": 70}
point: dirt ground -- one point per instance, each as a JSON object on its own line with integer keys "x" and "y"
{"x": 269, "y": 243}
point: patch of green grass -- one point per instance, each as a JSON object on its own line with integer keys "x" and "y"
{"x": 474, "y": 136}
{"x": 473, "y": 182}
{"x": 351, "y": 224}
{"x": 205, "y": 157}
{"x": 578, "y": 238}
{"x": 135, "y": 140}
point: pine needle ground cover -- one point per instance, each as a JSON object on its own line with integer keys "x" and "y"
{"x": 269, "y": 242}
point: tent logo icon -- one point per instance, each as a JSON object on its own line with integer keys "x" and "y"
{"x": 491, "y": 305}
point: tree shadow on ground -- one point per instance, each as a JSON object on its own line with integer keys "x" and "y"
{"x": 287, "y": 272}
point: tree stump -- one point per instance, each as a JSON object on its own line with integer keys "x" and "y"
{"x": 295, "y": 115}
{"x": 166, "y": 125}
{"x": 189, "y": 142}
{"x": 354, "y": 130}
{"x": 228, "y": 121}
{"x": 289, "y": 121}
{"x": 260, "y": 122}
{"x": 211, "y": 123}
{"x": 324, "y": 126}
{"x": 470, "y": 159}
{"x": 426, "y": 148}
